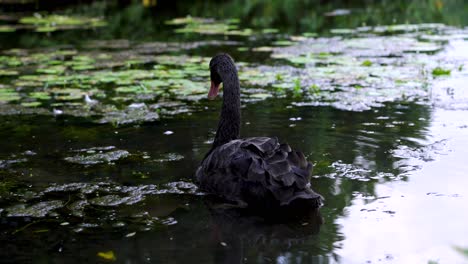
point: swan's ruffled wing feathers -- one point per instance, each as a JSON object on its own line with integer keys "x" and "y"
{"x": 253, "y": 170}
{"x": 262, "y": 146}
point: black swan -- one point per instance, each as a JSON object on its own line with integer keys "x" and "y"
{"x": 257, "y": 173}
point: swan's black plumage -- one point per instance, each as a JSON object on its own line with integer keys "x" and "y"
{"x": 256, "y": 172}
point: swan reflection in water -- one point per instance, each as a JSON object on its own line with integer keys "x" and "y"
{"x": 236, "y": 232}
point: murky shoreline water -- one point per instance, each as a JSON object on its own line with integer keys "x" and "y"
{"x": 100, "y": 142}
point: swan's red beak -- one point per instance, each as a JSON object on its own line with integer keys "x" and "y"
{"x": 213, "y": 91}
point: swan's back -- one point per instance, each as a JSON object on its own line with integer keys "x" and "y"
{"x": 258, "y": 172}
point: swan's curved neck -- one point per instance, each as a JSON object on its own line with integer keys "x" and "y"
{"x": 229, "y": 123}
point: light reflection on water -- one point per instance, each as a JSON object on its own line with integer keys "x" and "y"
{"x": 423, "y": 218}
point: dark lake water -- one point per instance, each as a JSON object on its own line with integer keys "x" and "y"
{"x": 103, "y": 126}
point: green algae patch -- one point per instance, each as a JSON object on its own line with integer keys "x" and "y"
{"x": 440, "y": 72}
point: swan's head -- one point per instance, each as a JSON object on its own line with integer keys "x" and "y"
{"x": 219, "y": 63}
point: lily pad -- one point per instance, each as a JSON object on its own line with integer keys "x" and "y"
{"x": 31, "y": 104}
{"x": 209, "y": 26}
{"x": 8, "y": 95}
{"x": 261, "y": 96}
{"x": 7, "y": 29}
{"x": 51, "y": 21}
{"x": 8, "y": 73}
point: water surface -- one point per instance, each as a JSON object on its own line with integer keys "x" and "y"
{"x": 102, "y": 129}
